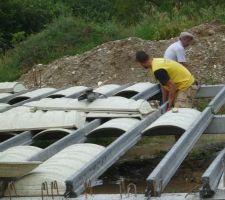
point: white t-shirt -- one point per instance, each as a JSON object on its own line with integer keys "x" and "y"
{"x": 175, "y": 52}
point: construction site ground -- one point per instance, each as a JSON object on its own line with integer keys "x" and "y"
{"x": 114, "y": 62}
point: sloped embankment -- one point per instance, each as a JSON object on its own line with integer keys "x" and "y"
{"x": 113, "y": 62}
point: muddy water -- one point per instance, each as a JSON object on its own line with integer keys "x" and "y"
{"x": 184, "y": 181}
{"x": 138, "y": 163}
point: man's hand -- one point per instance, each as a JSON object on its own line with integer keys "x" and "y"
{"x": 172, "y": 93}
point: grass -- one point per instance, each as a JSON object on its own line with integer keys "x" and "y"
{"x": 164, "y": 25}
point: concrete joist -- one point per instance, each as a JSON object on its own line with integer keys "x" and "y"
{"x": 24, "y": 138}
{"x": 76, "y": 136}
{"x": 212, "y": 176}
{"x": 167, "y": 167}
{"x": 91, "y": 171}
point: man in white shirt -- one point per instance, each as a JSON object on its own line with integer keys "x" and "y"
{"x": 176, "y": 51}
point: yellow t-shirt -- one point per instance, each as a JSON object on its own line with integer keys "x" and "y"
{"x": 179, "y": 74}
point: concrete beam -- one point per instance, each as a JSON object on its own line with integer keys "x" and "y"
{"x": 77, "y": 136}
{"x": 211, "y": 177}
{"x": 75, "y": 184}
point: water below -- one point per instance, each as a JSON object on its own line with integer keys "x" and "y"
{"x": 187, "y": 183}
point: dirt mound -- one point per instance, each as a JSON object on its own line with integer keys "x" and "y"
{"x": 113, "y": 62}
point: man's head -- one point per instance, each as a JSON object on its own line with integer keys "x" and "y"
{"x": 144, "y": 59}
{"x": 186, "y": 39}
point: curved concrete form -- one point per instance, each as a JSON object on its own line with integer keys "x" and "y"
{"x": 18, "y": 153}
{"x": 23, "y": 118}
{"x": 29, "y": 95}
{"x": 4, "y": 105}
{"x": 135, "y": 89}
{"x": 68, "y": 92}
{"x": 11, "y": 87}
{"x": 173, "y": 123}
{"x": 58, "y": 168}
{"x": 114, "y": 127}
{"x": 104, "y": 89}
{"x": 53, "y": 133}
{"x": 4, "y": 95}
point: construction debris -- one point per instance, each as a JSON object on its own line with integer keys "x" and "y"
{"x": 113, "y": 62}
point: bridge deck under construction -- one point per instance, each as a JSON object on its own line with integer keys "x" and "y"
{"x": 69, "y": 166}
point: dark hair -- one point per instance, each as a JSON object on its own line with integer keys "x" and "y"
{"x": 141, "y": 56}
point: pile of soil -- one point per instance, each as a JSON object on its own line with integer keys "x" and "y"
{"x": 113, "y": 62}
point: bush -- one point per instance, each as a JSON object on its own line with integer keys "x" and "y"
{"x": 92, "y": 10}
{"x": 18, "y": 37}
{"x": 164, "y": 25}
{"x": 129, "y": 12}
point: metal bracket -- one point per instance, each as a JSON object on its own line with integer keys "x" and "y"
{"x": 121, "y": 184}
{"x": 54, "y": 186}
{"x": 88, "y": 189}
{"x": 130, "y": 187}
{"x": 44, "y": 187}
{"x": 11, "y": 187}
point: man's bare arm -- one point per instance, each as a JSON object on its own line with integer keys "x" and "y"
{"x": 172, "y": 93}
{"x": 165, "y": 94}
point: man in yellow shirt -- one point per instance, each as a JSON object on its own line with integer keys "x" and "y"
{"x": 177, "y": 83}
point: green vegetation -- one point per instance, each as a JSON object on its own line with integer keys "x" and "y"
{"x": 26, "y": 16}
{"x": 40, "y": 31}
{"x": 65, "y": 36}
